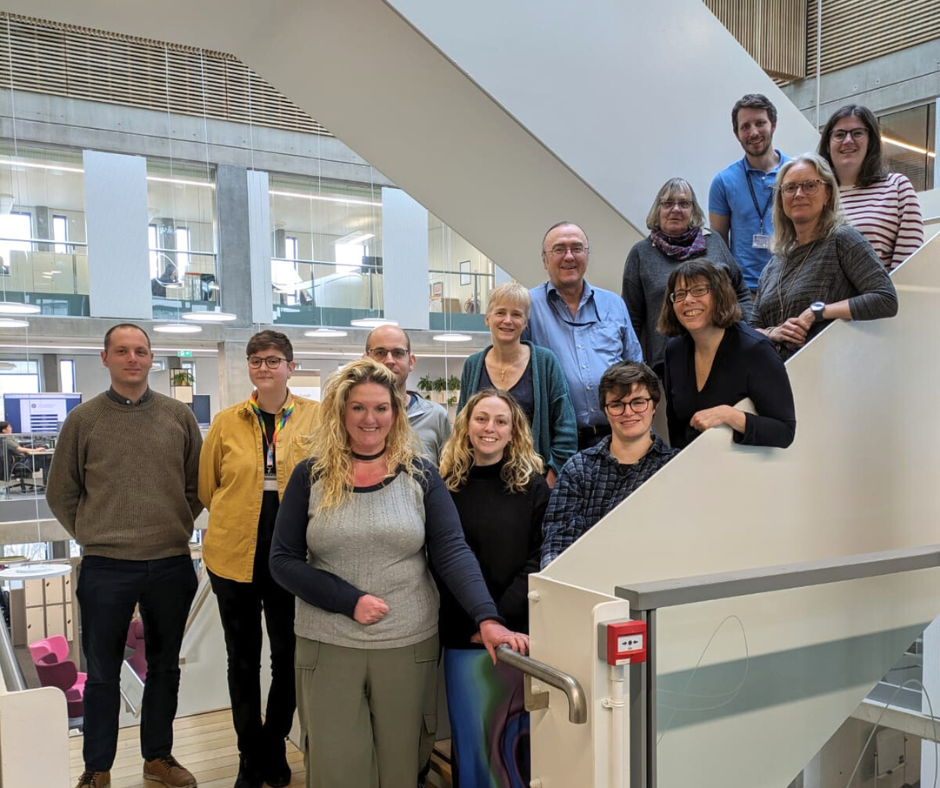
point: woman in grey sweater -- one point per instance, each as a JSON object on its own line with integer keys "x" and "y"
{"x": 356, "y": 527}
{"x": 822, "y": 268}
{"x": 676, "y": 224}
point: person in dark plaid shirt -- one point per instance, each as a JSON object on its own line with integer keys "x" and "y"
{"x": 595, "y": 480}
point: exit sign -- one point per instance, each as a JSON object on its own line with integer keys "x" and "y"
{"x": 184, "y": 354}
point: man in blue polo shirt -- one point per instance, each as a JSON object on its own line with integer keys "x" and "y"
{"x": 588, "y": 328}
{"x": 742, "y": 195}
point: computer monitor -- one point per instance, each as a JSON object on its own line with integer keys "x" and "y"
{"x": 201, "y": 409}
{"x": 42, "y": 412}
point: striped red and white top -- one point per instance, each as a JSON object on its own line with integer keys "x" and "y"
{"x": 888, "y": 214}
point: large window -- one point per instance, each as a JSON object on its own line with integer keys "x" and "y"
{"x": 909, "y": 144}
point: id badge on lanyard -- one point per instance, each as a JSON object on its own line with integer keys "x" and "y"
{"x": 759, "y": 240}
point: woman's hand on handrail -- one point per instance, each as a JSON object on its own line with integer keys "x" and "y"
{"x": 370, "y": 609}
{"x": 492, "y": 634}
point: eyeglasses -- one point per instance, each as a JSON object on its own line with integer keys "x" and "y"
{"x": 808, "y": 187}
{"x": 670, "y": 204}
{"x": 379, "y": 353}
{"x": 271, "y": 362}
{"x": 840, "y": 134}
{"x": 637, "y": 405}
{"x": 560, "y": 250}
{"x": 698, "y": 291}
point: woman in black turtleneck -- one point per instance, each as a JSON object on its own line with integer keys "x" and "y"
{"x": 494, "y": 475}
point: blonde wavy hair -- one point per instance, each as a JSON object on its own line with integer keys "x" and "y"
{"x": 333, "y": 461}
{"x": 830, "y": 219}
{"x": 522, "y": 463}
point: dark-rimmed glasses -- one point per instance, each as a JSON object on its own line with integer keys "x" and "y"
{"x": 637, "y": 405}
{"x": 379, "y": 353}
{"x": 698, "y": 291}
{"x": 839, "y": 135}
{"x": 271, "y": 362}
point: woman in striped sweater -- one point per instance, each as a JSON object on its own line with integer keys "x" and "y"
{"x": 881, "y": 205}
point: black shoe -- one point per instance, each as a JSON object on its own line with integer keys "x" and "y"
{"x": 248, "y": 776}
{"x": 277, "y": 771}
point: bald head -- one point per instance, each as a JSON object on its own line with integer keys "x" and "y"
{"x": 390, "y": 345}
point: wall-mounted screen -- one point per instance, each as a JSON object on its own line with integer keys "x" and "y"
{"x": 201, "y": 409}
{"x": 43, "y": 412}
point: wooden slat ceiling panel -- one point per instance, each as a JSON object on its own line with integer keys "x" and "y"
{"x": 773, "y": 32}
{"x": 71, "y": 61}
{"x": 854, "y": 31}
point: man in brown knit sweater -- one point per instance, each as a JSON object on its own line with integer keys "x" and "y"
{"x": 123, "y": 483}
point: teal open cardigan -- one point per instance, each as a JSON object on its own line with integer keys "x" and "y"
{"x": 554, "y": 428}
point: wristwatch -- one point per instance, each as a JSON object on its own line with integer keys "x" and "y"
{"x": 817, "y": 309}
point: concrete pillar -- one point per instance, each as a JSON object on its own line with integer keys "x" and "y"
{"x": 231, "y": 199}
{"x": 43, "y": 226}
{"x": 50, "y": 372}
{"x": 234, "y": 385}
{"x": 405, "y": 259}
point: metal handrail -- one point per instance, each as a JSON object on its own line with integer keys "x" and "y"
{"x": 9, "y": 666}
{"x": 577, "y": 700}
{"x": 646, "y": 598}
{"x": 704, "y": 588}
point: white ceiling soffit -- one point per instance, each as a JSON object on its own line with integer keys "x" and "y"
{"x": 498, "y": 129}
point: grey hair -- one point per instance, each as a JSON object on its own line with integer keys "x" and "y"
{"x": 785, "y": 240}
{"x": 670, "y": 188}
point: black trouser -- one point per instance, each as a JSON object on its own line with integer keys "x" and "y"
{"x": 108, "y": 589}
{"x": 240, "y": 606}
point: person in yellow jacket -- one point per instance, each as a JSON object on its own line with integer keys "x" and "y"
{"x": 247, "y": 458}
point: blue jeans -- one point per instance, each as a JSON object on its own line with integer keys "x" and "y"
{"x": 108, "y": 589}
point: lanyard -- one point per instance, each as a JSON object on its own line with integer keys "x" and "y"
{"x": 271, "y": 440}
{"x": 750, "y": 186}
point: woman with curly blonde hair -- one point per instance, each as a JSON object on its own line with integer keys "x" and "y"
{"x": 494, "y": 474}
{"x": 356, "y": 526}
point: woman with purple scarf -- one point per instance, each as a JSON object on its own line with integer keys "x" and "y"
{"x": 676, "y": 223}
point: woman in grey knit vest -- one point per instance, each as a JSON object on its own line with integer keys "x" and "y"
{"x": 356, "y": 527}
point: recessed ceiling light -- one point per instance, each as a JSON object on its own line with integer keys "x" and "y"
{"x": 372, "y": 322}
{"x": 177, "y": 328}
{"x": 17, "y": 308}
{"x": 325, "y": 333}
{"x": 452, "y": 337}
{"x": 9, "y": 322}
{"x": 209, "y": 317}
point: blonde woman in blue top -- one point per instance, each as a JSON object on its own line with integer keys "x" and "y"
{"x": 530, "y": 373}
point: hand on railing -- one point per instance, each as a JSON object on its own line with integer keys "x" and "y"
{"x": 492, "y": 634}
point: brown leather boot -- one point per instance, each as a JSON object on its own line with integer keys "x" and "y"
{"x": 91, "y": 779}
{"x": 167, "y": 770}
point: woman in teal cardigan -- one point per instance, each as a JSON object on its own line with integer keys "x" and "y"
{"x": 530, "y": 373}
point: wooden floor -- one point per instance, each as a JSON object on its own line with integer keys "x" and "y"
{"x": 204, "y": 744}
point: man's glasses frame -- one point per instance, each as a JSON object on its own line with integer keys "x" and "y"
{"x": 381, "y": 353}
{"x": 271, "y": 362}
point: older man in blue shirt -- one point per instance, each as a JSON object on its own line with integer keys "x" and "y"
{"x": 588, "y": 328}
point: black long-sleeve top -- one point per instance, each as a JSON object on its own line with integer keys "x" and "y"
{"x": 291, "y": 563}
{"x": 504, "y": 530}
{"x": 746, "y": 365}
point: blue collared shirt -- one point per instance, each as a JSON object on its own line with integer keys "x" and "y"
{"x": 729, "y": 196}
{"x": 586, "y": 345}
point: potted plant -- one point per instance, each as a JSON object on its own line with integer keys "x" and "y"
{"x": 181, "y": 384}
{"x": 440, "y": 386}
{"x": 453, "y": 383}
{"x": 426, "y": 384}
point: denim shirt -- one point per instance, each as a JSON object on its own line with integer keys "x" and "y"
{"x": 598, "y": 336}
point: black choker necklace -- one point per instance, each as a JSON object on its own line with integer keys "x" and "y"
{"x": 367, "y": 457}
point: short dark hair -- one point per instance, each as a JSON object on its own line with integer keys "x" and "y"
{"x": 556, "y": 225}
{"x": 873, "y": 165}
{"x": 265, "y": 340}
{"x": 623, "y": 376}
{"x": 107, "y": 337}
{"x": 726, "y": 309}
{"x": 4, "y": 425}
{"x": 753, "y": 101}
